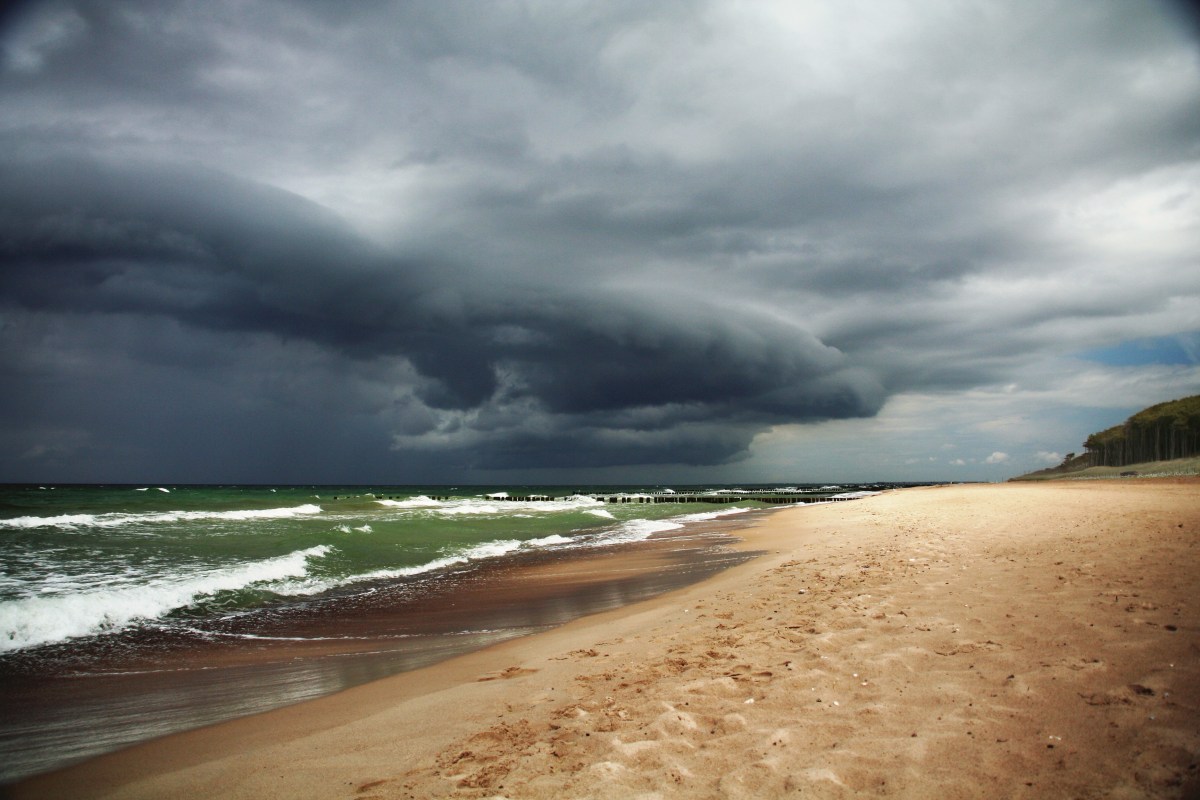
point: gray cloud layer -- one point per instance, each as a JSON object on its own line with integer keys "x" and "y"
{"x": 408, "y": 241}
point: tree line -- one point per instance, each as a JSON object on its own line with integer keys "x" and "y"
{"x": 1159, "y": 433}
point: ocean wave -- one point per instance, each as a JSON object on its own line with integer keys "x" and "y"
{"x": 31, "y": 621}
{"x": 471, "y": 506}
{"x": 420, "y": 501}
{"x": 636, "y": 530}
{"x": 701, "y": 516}
{"x": 479, "y": 552}
{"x": 547, "y": 541}
{"x": 408, "y": 572}
{"x": 852, "y": 495}
{"x": 496, "y": 504}
{"x": 119, "y": 519}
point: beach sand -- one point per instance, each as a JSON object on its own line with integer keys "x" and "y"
{"x": 1014, "y": 640}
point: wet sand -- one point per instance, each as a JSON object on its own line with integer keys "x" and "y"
{"x": 1017, "y": 640}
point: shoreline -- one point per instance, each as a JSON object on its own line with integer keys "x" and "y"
{"x": 89, "y": 705}
{"x": 1009, "y": 639}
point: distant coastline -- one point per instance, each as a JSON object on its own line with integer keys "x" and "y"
{"x": 1160, "y": 441}
{"x": 1148, "y": 469}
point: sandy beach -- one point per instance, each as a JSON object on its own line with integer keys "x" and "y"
{"x": 1012, "y": 640}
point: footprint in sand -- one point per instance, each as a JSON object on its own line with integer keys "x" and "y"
{"x": 511, "y": 672}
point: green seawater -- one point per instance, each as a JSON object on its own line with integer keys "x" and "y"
{"x": 86, "y": 561}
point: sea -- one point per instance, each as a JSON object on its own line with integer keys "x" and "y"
{"x": 130, "y": 611}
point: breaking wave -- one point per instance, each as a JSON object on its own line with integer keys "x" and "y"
{"x": 121, "y": 519}
{"x": 47, "y": 618}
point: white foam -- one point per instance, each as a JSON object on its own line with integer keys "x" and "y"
{"x": 494, "y": 549}
{"x": 420, "y": 501}
{"x": 603, "y": 513}
{"x": 636, "y": 530}
{"x": 547, "y": 541}
{"x": 31, "y": 621}
{"x": 495, "y": 504}
{"x": 264, "y": 513}
{"x": 701, "y": 516}
{"x": 478, "y": 552}
{"x": 119, "y": 519}
{"x": 61, "y": 521}
{"x": 407, "y": 572}
{"x": 474, "y": 506}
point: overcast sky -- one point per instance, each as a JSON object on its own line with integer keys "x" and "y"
{"x": 605, "y": 241}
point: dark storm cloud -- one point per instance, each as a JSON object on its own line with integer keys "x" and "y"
{"x": 457, "y": 236}
{"x": 221, "y": 255}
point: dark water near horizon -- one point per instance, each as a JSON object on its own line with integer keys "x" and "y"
{"x": 127, "y": 612}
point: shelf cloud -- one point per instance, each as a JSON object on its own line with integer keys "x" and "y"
{"x": 445, "y": 241}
